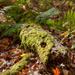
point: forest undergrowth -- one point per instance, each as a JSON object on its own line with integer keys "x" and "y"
{"x": 61, "y": 24}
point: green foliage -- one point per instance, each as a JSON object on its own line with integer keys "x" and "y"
{"x": 41, "y": 5}
{"x": 15, "y": 12}
{"x": 44, "y": 5}
{"x": 6, "y": 2}
{"x": 70, "y": 17}
{"x": 28, "y": 16}
{"x": 1, "y": 3}
{"x": 50, "y": 23}
{"x": 67, "y": 22}
{"x": 44, "y": 16}
{"x": 22, "y": 2}
{"x": 20, "y": 15}
{"x": 9, "y": 29}
{"x": 56, "y": 25}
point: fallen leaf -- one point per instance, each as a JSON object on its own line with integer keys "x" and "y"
{"x": 56, "y": 71}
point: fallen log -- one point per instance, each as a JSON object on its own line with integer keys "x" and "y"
{"x": 18, "y": 66}
{"x": 34, "y": 38}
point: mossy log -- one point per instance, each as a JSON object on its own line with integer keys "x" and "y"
{"x": 18, "y": 66}
{"x": 34, "y": 38}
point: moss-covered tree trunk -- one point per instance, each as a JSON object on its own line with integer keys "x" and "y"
{"x": 34, "y": 38}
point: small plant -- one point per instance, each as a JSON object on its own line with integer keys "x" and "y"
{"x": 15, "y": 12}
{"x": 22, "y": 2}
{"x": 5, "y": 2}
{"x": 50, "y": 23}
{"x": 70, "y": 17}
{"x": 44, "y": 5}
{"x": 9, "y": 29}
{"x": 44, "y": 16}
{"x": 67, "y": 21}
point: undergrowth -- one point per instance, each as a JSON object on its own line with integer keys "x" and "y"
{"x": 44, "y": 16}
{"x": 64, "y": 23}
{"x": 9, "y": 29}
{"x": 22, "y": 16}
{"x": 15, "y": 12}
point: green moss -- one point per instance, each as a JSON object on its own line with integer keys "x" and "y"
{"x": 18, "y": 66}
{"x": 15, "y": 12}
{"x": 62, "y": 48}
{"x": 6, "y": 72}
{"x": 7, "y": 2}
{"x": 35, "y": 38}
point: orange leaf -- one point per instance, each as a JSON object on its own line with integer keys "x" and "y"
{"x": 12, "y": 1}
{"x": 56, "y": 71}
{"x": 65, "y": 33}
{"x": 57, "y": 4}
{"x": 23, "y": 70}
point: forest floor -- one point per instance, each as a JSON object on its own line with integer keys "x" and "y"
{"x": 10, "y": 53}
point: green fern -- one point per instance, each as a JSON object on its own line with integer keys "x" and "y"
{"x": 8, "y": 29}
{"x": 44, "y": 16}
{"x": 15, "y": 12}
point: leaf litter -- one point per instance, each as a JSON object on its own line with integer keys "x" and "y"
{"x": 10, "y": 54}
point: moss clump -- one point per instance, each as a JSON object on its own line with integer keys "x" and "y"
{"x": 18, "y": 66}
{"x": 36, "y": 39}
{"x": 6, "y": 72}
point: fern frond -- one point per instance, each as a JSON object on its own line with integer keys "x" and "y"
{"x": 9, "y": 29}
{"x": 44, "y": 16}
